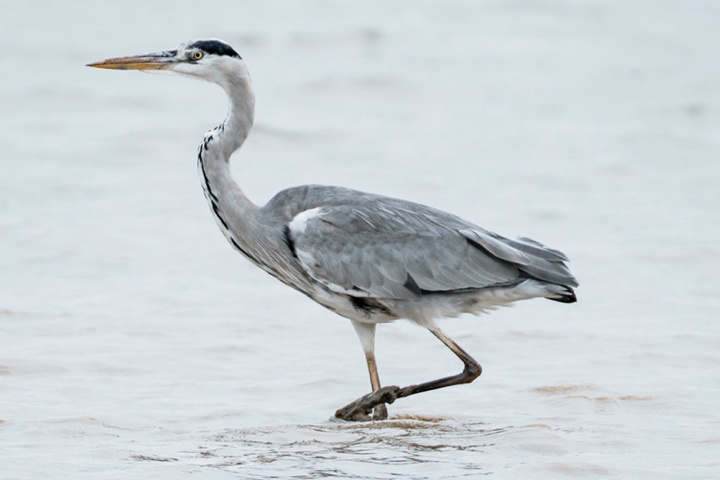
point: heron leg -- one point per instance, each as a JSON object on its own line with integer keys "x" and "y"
{"x": 471, "y": 371}
{"x": 361, "y": 408}
{"x": 371, "y": 406}
{"x": 380, "y": 411}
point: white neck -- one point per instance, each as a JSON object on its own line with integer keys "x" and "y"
{"x": 241, "y": 112}
{"x": 233, "y": 211}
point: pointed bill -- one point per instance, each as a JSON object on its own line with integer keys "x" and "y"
{"x": 150, "y": 61}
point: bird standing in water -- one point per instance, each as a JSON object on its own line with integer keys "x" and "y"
{"x": 369, "y": 258}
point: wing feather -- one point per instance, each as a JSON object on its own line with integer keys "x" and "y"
{"x": 373, "y": 246}
{"x": 356, "y": 249}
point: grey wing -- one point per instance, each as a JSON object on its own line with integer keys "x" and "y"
{"x": 394, "y": 249}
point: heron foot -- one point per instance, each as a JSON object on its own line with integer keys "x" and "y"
{"x": 370, "y": 406}
{"x": 380, "y": 412}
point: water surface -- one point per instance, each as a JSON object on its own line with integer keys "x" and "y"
{"x": 135, "y": 343}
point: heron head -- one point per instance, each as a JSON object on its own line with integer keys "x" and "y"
{"x": 210, "y": 59}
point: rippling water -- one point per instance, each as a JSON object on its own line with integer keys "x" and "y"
{"x": 135, "y": 343}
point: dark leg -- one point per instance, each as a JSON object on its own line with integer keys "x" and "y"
{"x": 360, "y": 409}
{"x": 471, "y": 371}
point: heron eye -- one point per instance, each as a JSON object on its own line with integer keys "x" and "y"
{"x": 197, "y": 55}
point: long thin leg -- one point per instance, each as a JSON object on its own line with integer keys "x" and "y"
{"x": 380, "y": 411}
{"x": 372, "y": 369}
{"x": 384, "y": 395}
{"x": 471, "y": 371}
{"x": 366, "y": 333}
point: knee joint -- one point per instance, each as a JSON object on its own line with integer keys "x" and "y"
{"x": 472, "y": 371}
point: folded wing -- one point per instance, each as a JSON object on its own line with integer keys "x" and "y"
{"x": 389, "y": 248}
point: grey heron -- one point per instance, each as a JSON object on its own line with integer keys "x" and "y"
{"x": 366, "y": 257}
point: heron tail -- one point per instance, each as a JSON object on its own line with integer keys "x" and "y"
{"x": 561, "y": 293}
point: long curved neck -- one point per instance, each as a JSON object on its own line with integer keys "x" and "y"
{"x": 241, "y": 114}
{"x": 232, "y": 210}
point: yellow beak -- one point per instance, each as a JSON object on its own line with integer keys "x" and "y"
{"x": 150, "y": 61}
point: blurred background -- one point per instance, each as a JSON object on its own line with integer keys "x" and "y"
{"x": 135, "y": 342}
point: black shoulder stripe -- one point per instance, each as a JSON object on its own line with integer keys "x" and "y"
{"x": 289, "y": 241}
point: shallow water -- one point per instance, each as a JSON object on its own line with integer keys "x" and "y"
{"x": 135, "y": 343}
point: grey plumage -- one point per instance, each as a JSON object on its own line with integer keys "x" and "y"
{"x": 374, "y": 246}
{"x": 370, "y": 258}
